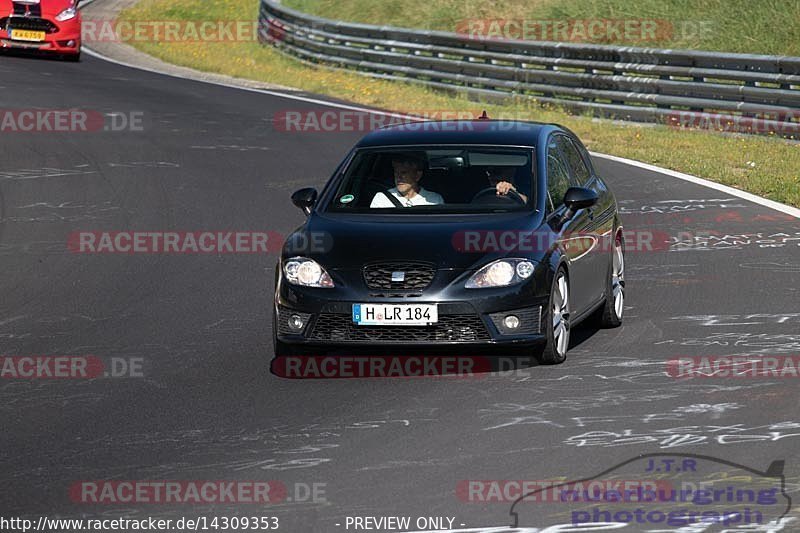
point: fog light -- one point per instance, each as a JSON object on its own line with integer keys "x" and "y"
{"x": 511, "y": 322}
{"x": 70, "y": 44}
{"x": 296, "y": 323}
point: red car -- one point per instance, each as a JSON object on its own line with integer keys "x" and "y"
{"x": 49, "y": 26}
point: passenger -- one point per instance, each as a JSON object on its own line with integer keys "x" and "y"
{"x": 407, "y": 191}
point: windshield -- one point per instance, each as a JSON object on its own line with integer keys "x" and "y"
{"x": 432, "y": 179}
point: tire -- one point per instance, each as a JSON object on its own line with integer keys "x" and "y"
{"x": 556, "y": 321}
{"x": 610, "y": 313}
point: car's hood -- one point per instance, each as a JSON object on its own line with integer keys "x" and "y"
{"x": 342, "y": 242}
{"x": 50, "y": 8}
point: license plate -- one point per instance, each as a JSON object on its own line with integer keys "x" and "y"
{"x": 27, "y": 35}
{"x": 395, "y": 314}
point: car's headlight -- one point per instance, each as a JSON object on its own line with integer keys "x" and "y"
{"x": 67, "y": 14}
{"x": 306, "y": 273}
{"x": 501, "y": 273}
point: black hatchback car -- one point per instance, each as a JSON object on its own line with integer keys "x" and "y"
{"x": 466, "y": 233}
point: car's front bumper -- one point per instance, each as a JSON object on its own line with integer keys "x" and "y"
{"x": 456, "y": 326}
{"x": 466, "y": 316}
{"x": 66, "y": 40}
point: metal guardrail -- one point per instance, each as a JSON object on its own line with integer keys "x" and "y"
{"x": 740, "y": 92}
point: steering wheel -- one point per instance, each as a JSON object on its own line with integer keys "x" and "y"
{"x": 490, "y": 193}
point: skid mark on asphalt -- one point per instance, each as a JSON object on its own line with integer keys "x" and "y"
{"x": 61, "y": 212}
{"x": 670, "y": 207}
{"x": 771, "y": 266}
{"x": 760, "y": 342}
{"x": 232, "y": 148}
{"x": 709, "y": 242}
{"x": 41, "y": 173}
{"x": 740, "y": 320}
{"x": 145, "y": 164}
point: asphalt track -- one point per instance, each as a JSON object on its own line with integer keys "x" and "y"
{"x": 208, "y": 408}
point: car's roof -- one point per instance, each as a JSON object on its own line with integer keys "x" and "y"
{"x": 459, "y": 132}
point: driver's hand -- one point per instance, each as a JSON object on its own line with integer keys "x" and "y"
{"x": 503, "y": 187}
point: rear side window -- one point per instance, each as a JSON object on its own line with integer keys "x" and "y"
{"x": 573, "y": 160}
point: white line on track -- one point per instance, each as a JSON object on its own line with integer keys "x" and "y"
{"x": 777, "y": 206}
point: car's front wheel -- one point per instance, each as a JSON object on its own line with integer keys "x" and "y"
{"x": 556, "y": 321}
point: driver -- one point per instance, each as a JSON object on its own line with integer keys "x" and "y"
{"x": 407, "y": 191}
{"x": 502, "y": 178}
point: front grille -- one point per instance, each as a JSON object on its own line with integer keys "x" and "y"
{"x": 416, "y": 275}
{"x": 450, "y": 328}
{"x": 28, "y": 23}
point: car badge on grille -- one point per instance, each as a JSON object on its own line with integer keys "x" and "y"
{"x": 398, "y": 277}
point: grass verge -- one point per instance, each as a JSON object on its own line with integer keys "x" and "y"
{"x": 763, "y": 27}
{"x": 766, "y": 166}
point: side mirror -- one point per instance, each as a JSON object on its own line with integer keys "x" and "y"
{"x": 305, "y": 199}
{"x": 578, "y": 198}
